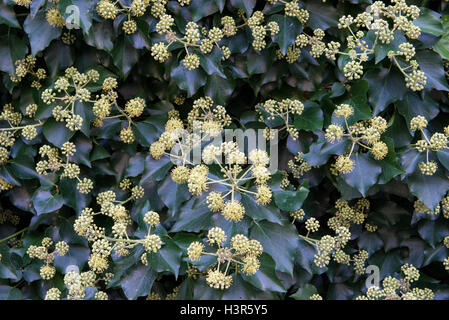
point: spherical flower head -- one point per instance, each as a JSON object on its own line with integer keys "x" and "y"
{"x": 334, "y": 133}
{"x": 438, "y": 141}
{"x": 343, "y": 235}
{"x": 254, "y": 248}
{"x": 218, "y": 280}
{"x": 159, "y": 51}
{"x": 215, "y": 201}
{"x": 410, "y": 272}
{"x": 173, "y": 125}
{"x": 259, "y": 157}
{"x": 62, "y": 248}
{"x": 191, "y": 62}
{"x": 106, "y": 9}
{"x": 418, "y": 123}
{"x": 379, "y": 123}
{"x": 88, "y": 279}
{"x": 273, "y": 27}
{"x": 85, "y": 186}
{"x": 298, "y": 214}
{"x": 54, "y": 17}
{"x": 102, "y": 248}
{"x": 101, "y": 295}
{"x": 97, "y": 263}
{"x": 344, "y": 110}
{"x": 379, "y": 150}
{"x": 4, "y": 155}
{"x": 68, "y": 148}
{"x": 211, "y": 154}
{"x": 137, "y": 192}
{"x": 157, "y": 150}
{"x": 152, "y": 218}
{"x": 250, "y": 265}
{"x": 344, "y": 164}
{"x": 134, "y": 107}
{"x": 109, "y": 84}
{"x": 264, "y": 195}
{"x": 47, "y": 272}
{"x": 416, "y": 80}
{"x": 127, "y": 135}
{"x": 312, "y": 224}
{"x": 261, "y": 174}
{"x": 240, "y": 244}
{"x": 215, "y": 34}
{"x": 197, "y": 180}
{"x": 153, "y": 243}
{"x": 233, "y": 211}
{"x": 326, "y": 244}
{"x": 216, "y": 235}
{"x": 195, "y": 250}
{"x": 47, "y": 242}
{"x": 321, "y": 259}
{"x": 129, "y": 26}
{"x": 428, "y": 168}
{"x": 53, "y": 294}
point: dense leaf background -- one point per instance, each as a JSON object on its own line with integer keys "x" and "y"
{"x": 240, "y": 84}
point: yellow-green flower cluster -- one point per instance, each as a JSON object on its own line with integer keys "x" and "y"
{"x": 240, "y": 255}
{"x": 438, "y": 141}
{"x": 385, "y": 21}
{"x": 118, "y": 241}
{"x": 285, "y": 110}
{"x": 363, "y": 134}
{"x": 45, "y": 253}
{"x": 68, "y": 90}
{"x": 28, "y": 66}
{"x": 399, "y": 288}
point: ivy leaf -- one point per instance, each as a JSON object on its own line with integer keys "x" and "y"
{"x": 173, "y": 194}
{"x": 433, "y": 231}
{"x": 320, "y": 151}
{"x": 385, "y": 86}
{"x": 258, "y": 212}
{"x": 365, "y": 173}
{"x": 139, "y": 281}
{"x": 245, "y": 5}
{"x": 429, "y": 21}
{"x": 219, "y": 89}
{"x": 11, "y": 50}
{"x": 273, "y": 236}
{"x": 265, "y": 278}
{"x": 56, "y": 132}
{"x": 304, "y": 292}
{"x": 311, "y": 118}
{"x": 431, "y": 64}
{"x": 321, "y": 16}
{"x": 168, "y": 258}
{"x": 288, "y": 200}
{"x": 390, "y": 165}
{"x": 193, "y": 219}
{"x": 156, "y": 169}
{"x": 428, "y": 189}
{"x": 8, "y": 16}
{"x": 189, "y": 81}
{"x": 412, "y": 105}
{"x": 45, "y": 202}
{"x": 370, "y": 242}
{"x": 124, "y": 55}
{"x": 289, "y": 28}
{"x": 442, "y": 47}
{"x": 40, "y": 32}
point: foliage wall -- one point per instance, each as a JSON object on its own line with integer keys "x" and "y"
{"x": 94, "y": 94}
